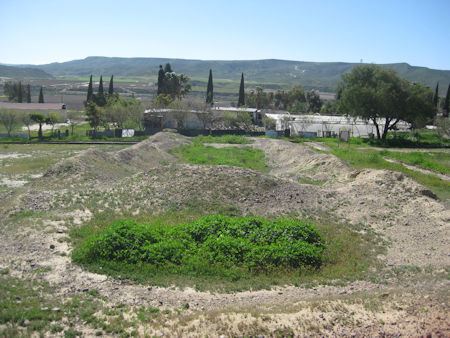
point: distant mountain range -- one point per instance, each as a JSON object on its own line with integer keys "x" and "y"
{"x": 19, "y": 73}
{"x": 272, "y": 74}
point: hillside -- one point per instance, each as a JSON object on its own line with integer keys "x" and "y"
{"x": 23, "y": 73}
{"x": 319, "y": 75}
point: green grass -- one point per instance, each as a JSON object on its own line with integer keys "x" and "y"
{"x": 437, "y": 161}
{"x": 165, "y": 252}
{"x": 231, "y": 139}
{"x": 244, "y": 157}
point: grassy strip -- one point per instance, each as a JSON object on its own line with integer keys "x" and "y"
{"x": 439, "y": 162}
{"x": 244, "y": 157}
{"x": 348, "y": 256}
{"x": 231, "y": 139}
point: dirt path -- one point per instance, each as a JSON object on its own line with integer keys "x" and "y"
{"x": 443, "y": 177}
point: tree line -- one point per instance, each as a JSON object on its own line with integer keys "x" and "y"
{"x": 16, "y": 92}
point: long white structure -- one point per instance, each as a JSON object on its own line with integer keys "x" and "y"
{"x": 328, "y": 126}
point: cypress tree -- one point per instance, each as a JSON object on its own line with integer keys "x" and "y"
{"x": 100, "y": 97}
{"x": 209, "y": 89}
{"x": 89, "y": 92}
{"x": 241, "y": 100}
{"x": 168, "y": 68}
{"x": 161, "y": 76}
{"x": 41, "y": 96}
{"x": 28, "y": 94}
{"x": 436, "y": 96}
{"x": 19, "y": 93}
{"x": 111, "y": 86}
{"x": 447, "y": 102}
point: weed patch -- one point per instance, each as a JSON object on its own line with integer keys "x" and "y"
{"x": 212, "y": 245}
{"x": 244, "y": 157}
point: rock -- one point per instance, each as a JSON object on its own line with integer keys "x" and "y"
{"x": 52, "y": 246}
{"x": 149, "y": 288}
{"x": 56, "y": 309}
{"x": 60, "y": 231}
{"x": 26, "y": 322}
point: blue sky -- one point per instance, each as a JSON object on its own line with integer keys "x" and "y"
{"x": 416, "y": 32}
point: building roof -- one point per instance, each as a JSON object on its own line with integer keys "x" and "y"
{"x": 31, "y": 106}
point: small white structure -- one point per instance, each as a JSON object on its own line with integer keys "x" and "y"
{"x": 127, "y": 132}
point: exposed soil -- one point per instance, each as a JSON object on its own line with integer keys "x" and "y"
{"x": 147, "y": 177}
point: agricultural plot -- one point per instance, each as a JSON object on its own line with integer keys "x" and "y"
{"x": 168, "y": 238}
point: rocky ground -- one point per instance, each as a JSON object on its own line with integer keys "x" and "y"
{"x": 412, "y": 221}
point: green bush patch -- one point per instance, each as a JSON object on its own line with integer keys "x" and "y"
{"x": 216, "y": 245}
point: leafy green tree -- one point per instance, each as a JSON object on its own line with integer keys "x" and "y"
{"x": 124, "y": 113}
{"x": 436, "y": 96}
{"x": 41, "y": 96}
{"x": 447, "y": 102}
{"x": 27, "y": 122}
{"x": 162, "y": 101}
{"x": 9, "y": 118}
{"x": 177, "y": 86}
{"x": 377, "y": 94}
{"x": 244, "y": 120}
{"x": 40, "y": 119}
{"x": 90, "y": 91}
{"x": 269, "y": 123}
{"x": 28, "y": 94}
{"x": 314, "y": 101}
{"x": 241, "y": 99}
{"x": 209, "y": 89}
{"x": 111, "y": 85}
{"x": 52, "y": 119}
{"x": 95, "y": 116}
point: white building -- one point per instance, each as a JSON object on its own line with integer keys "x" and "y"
{"x": 329, "y": 126}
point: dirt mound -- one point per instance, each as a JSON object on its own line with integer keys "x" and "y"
{"x": 298, "y": 162}
{"x": 151, "y": 152}
{"x": 88, "y": 165}
{"x": 95, "y": 165}
{"x": 184, "y": 185}
{"x": 405, "y": 212}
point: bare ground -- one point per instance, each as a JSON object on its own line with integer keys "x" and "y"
{"x": 146, "y": 177}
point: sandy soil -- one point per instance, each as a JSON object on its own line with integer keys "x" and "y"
{"x": 407, "y": 215}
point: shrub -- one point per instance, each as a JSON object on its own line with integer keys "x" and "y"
{"x": 211, "y": 245}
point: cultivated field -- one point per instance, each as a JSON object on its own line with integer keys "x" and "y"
{"x": 385, "y": 268}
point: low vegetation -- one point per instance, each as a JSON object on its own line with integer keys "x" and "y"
{"x": 245, "y": 157}
{"x": 216, "y": 252}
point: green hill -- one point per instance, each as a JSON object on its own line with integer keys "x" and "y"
{"x": 271, "y": 74}
{"x": 19, "y": 73}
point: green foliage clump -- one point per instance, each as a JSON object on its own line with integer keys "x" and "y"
{"x": 211, "y": 245}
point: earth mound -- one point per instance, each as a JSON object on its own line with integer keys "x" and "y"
{"x": 95, "y": 165}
